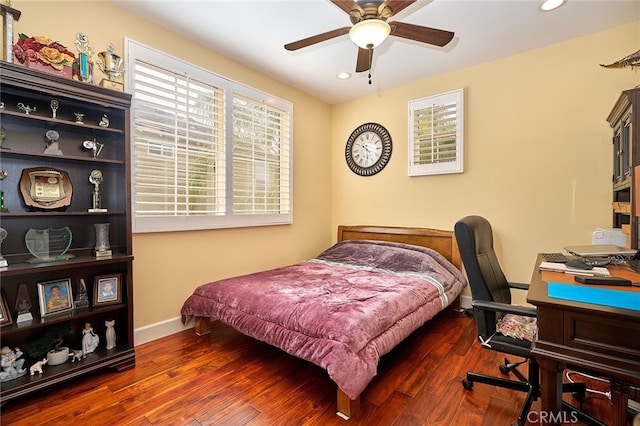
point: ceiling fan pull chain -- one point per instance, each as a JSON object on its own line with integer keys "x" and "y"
{"x": 370, "y": 61}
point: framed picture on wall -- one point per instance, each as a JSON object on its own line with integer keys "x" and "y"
{"x": 107, "y": 289}
{"x": 55, "y": 297}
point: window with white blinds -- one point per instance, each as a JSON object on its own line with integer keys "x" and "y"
{"x": 206, "y": 152}
{"x": 436, "y": 134}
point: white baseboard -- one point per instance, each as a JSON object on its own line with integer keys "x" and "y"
{"x": 465, "y": 302}
{"x": 158, "y": 330}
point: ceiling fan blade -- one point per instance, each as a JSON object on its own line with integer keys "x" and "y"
{"x": 347, "y": 6}
{"x": 395, "y": 6}
{"x": 317, "y": 38}
{"x": 365, "y": 56}
{"x": 421, "y": 34}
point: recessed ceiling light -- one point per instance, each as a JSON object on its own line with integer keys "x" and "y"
{"x": 548, "y": 5}
{"x": 343, "y": 76}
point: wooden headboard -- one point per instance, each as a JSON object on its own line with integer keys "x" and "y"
{"x": 441, "y": 241}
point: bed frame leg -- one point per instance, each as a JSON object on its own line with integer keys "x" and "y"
{"x": 203, "y": 326}
{"x": 347, "y": 407}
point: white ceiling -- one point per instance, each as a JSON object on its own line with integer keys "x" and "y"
{"x": 253, "y": 32}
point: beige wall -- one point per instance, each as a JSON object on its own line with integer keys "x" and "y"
{"x": 168, "y": 266}
{"x": 537, "y": 149}
{"x": 537, "y": 156}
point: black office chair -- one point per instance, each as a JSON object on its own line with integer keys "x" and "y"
{"x": 491, "y": 300}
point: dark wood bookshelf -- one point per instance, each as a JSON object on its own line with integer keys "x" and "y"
{"x": 24, "y": 148}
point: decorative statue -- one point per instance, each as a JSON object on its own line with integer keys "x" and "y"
{"x": 76, "y": 355}
{"x": 37, "y": 367}
{"x": 111, "y": 334}
{"x": 89, "y": 339}
{"x": 11, "y": 364}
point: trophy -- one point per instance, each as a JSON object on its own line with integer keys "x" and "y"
{"x": 96, "y": 179}
{"x": 26, "y": 108}
{"x": 9, "y": 15}
{"x": 54, "y": 104}
{"x": 82, "y": 298}
{"x": 3, "y": 236}
{"x": 3, "y": 174}
{"x": 23, "y": 305}
{"x": 94, "y": 146}
{"x": 83, "y": 61}
{"x": 52, "y": 143}
{"x": 48, "y": 245}
{"x": 113, "y": 66}
{"x": 103, "y": 248}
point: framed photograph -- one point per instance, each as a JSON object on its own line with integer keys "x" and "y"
{"x": 55, "y": 297}
{"x": 107, "y": 289}
{"x": 5, "y": 314}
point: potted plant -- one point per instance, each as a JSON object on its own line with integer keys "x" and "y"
{"x": 50, "y": 344}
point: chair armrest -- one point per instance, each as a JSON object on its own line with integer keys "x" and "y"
{"x": 519, "y": 286}
{"x": 503, "y": 307}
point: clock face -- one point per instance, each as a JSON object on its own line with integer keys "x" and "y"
{"x": 368, "y": 149}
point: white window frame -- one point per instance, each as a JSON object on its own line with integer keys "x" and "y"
{"x": 454, "y": 102}
{"x": 141, "y": 224}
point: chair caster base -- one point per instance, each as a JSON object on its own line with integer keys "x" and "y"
{"x": 578, "y": 396}
{"x": 467, "y": 384}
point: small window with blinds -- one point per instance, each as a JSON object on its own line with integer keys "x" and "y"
{"x": 207, "y": 152}
{"x": 436, "y": 134}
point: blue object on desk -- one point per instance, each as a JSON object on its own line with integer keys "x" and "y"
{"x": 594, "y": 295}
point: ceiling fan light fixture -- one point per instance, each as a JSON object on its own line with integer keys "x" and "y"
{"x": 548, "y": 5}
{"x": 369, "y": 33}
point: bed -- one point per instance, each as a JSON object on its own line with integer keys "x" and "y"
{"x": 345, "y": 308}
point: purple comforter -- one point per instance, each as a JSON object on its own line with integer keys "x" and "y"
{"x": 342, "y": 310}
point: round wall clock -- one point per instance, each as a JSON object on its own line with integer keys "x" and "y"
{"x": 368, "y": 149}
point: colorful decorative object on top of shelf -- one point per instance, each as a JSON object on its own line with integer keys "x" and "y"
{"x": 42, "y": 53}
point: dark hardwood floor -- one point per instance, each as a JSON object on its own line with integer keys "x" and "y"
{"x": 184, "y": 379}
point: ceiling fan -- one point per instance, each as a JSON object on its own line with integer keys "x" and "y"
{"x": 370, "y": 28}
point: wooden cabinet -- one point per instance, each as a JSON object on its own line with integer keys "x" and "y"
{"x": 24, "y": 148}
{"x": 625, "y": 122}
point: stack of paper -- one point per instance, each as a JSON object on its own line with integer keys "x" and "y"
{"x": 561, "y": 267}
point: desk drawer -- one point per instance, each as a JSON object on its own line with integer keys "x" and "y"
{"x": 603, "y": 335}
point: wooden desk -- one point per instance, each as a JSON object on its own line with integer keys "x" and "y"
{"x": 602, "y": 339}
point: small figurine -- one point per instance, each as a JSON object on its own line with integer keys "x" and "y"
{"x": 111, "y": 334}
{"x": 89, "y": 339}
{"x": 37, "y": 367}
{"x": 79, "y": 117}
{"x": 11, "y": 364}
{"x": 104, "y": 121}
{"x": 76, "y": 355}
